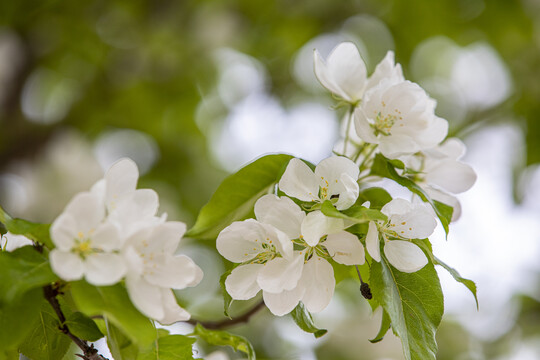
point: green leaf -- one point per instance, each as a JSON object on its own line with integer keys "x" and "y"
{"x": 227, "y": 299}
{"x": 303, "y": 319}
{"x": 22, "y": 270}
{"x": 357, "y": 214}
{"x": 46, "y": 341}
{"x": 170, "y": 347}
{"x": 235, "y": 197}
{"x": 121, "y": 347}
{"x": 114, "y": 303}
{"x": 34, "y": 231}
{"x": 414, "y": 303}
{"x": 223, "y": 338}
{"x": 378, "y": 197}
{"x": 383, "y": 167}
{"x": 9, "y": 354}
{"x": 468, "y": 283}
{"x": 17, "y": 319}
{"x": 83, "y": 327}
{"x": 385, "y": 326}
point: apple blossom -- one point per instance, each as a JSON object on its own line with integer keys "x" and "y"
{"x": 127, "y": 207}
{"x": 344, "y": 72}
{"x": 399, "y": 118}
{"x": 287, "y": 277}
{"x": 335, "y": 176}
{"x": 86, "y": 245}
{"x": 440, "y": 173}
{"x": 406, "y": 221}
{"x": 153, "y": 270}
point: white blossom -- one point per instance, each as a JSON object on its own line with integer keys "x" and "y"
{"x": 344, "y": 72}
{"x": 406, "y": 221}
{"x": 440, "y": 172}
{"x": 86, "y": 245}
{"x": 154, "y": 269}
{"x": 286, "y": 277}
{"x": 113, "y": 232}
{"x": 400, "y": 118}
{"x": 333, "y": 177}
{"x": 127, "y": 207}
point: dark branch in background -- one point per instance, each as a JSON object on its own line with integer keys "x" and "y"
{"x": 90, "y": 353}
{"x": 217, "y": 325}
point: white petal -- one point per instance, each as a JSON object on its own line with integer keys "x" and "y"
{"x": 396, "y": 206}
{"x": 453, "y": 176}
{"x": 299, "y": 181}
{"x": 175, "y": 272}
{"x": 106, "y": 238}
{"x": 418, "y": 223}
{"x": 283, "y": 302}
{"x": 349, "y": 194}
{"x": 133, "y": 260}
{"x": 64, "y": 231}
{"x": 345, "y": 248}
{"x": 434, "y": 134}
{"x": 452, "y": 148}
{"x": 99, "y": 189}
{"x": 121, "y": 178}
{"x": 372, "y": 242}
{"x": 338, "y": 175}
{"x": 363, "y": 127}
{"x": 316, "y": 225}
{"x": 11, "y": 241}
{"x": 146, "y": 297}
{"x": 330, "y": 170}
{"x": 281, "y": 274}
{"x": 104, "y": 269}
{"x": 318, "y": 279}
{"x": 87, "y": 211}
{"x": 325, "y": 77}
{"x": 134, "y": 209}
{"x": 347, "y": 70}
{"x": 405, "y": 256}
{"x": 241, "y": 284}
{"x": 396, "y": 145}
{"x": 241, "y": 241}
{"x": 386, "y": 69}
{"x": 66, "y": 265}
{"x": 173, "y": 311}
{"x": 281, "y": 212}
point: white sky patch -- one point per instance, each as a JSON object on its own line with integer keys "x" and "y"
{"x": 495, "y": 243}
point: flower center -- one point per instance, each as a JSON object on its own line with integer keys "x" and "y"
{"x": 83, "y": 248}
{"x": 383, "y": 124}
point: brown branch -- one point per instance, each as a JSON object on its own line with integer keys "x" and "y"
{"x": 90, "y": 353}
{"x": 216, "y": 325}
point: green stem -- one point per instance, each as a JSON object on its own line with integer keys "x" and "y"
{"x": 348, "y": 128}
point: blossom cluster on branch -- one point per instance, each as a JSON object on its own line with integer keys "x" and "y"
{"x": 285, "y": 228}
{"x": 112, "y": 232}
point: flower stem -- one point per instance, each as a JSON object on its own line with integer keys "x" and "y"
{"x": 348, "y": 128}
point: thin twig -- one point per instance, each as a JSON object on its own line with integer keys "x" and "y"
{"x": 216, "y": 325}
{"x": 90, "y": 353}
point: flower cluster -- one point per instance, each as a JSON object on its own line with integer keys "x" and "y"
{"x": 285, "y": 252}
{"x": 288, "y": 249}
{"x": 112, "y": 233}
{"x": 397, "y": 118}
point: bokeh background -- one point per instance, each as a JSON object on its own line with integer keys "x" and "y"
{"x": 191, "y": 90}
